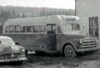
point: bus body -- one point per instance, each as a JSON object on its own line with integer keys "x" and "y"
{"x": 49, "y": 33}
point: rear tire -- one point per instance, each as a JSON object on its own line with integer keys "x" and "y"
{"x": 69, "y": 51}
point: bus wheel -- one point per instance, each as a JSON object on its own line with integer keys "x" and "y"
{"x": 69, "y": 51}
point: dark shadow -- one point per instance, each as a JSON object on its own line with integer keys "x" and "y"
{"x": 11, "y": 63}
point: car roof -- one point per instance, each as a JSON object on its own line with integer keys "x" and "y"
{"x": 4, "y": 37}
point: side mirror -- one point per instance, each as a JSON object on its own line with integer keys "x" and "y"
{"x": 17, "y": 43}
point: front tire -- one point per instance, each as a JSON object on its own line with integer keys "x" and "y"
{"x": 69, "y": 51}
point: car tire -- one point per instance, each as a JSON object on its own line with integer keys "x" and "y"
{"x": 26, "y": 52}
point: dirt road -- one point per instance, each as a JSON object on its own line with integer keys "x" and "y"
{"x": 58, "y": 61}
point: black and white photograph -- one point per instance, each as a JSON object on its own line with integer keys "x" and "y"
{"x": 49, "y": 34}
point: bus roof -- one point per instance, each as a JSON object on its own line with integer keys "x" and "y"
{"x": 39, "y": 20}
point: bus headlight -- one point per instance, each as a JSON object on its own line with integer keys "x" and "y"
{"x": 81, "y": 41}
{"x": 96, "y": 42}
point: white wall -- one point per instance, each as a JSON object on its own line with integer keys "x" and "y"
{"x": 86, "y": 9}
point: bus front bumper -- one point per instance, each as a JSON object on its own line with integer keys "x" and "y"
{"x": 88, "y": 49}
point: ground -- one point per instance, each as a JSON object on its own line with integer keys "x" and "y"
{"x": 58, "y": 61}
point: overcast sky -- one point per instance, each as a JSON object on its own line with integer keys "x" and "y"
{"x": 66, "y": 4}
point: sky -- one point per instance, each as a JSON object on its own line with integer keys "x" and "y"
{"x": 64, "y": 4}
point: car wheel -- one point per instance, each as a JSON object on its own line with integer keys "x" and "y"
{"x": 69, "y": 51}
{"x": 26, "y": 52}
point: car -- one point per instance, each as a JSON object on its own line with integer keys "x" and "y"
{"x": 9, "y": 51}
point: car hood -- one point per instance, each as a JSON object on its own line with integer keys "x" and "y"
{"x": 10, "y": 49}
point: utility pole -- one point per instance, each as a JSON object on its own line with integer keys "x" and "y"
{"x": 75, "y": 8}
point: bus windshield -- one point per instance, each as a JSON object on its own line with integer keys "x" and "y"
{"x": 73, "y": 27}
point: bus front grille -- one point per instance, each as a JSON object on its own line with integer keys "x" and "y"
{"x": 88, "y": 44}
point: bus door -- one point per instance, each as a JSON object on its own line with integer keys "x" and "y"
{"x": 51, "y": 34}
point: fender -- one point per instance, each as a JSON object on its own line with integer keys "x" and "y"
{"x": 71, "y": 43}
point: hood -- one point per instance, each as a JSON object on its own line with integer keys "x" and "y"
{"x": 77, "y": 34}
{"x": 74, "y": 33}
{"x": 10, "y": 49}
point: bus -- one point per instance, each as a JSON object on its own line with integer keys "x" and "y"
{"x": 55, "y": 33}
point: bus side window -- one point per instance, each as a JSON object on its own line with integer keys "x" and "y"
{"x": 29, "y": 28}
{"x": 11, "y": 28}
{"x": 54, "y": 27}
{"x": 7, "y": 29}
{"x": 23, "y": 29}
{"x": 35, "y": 28}
{"x": 17, "y": 28}
{"x": 51, "y": 27}
{"x": 42, "y": 28}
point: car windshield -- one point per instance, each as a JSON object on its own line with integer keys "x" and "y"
{"x": 7, "y": 41}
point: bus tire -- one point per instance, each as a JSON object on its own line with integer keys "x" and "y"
{"x": 69, "y": 51}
